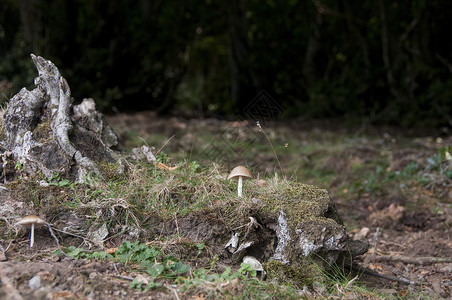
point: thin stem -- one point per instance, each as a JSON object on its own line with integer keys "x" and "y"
{"x": 273, "y": 149}
{"x": 32, "y": 237}
{"x": 239, "y": 187}
{"x": 56, "y": 240}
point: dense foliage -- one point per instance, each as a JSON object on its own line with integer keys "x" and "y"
{"x": 385, "y": 61}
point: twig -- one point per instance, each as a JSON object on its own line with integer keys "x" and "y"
{"x": 375, "y": 241}
{"x": 124, "y": 277}
{"x": 73, "y": 234}
{"x": 169, "y": 287}
{"x": 163, "y": 146}
{"x": 116, "y": 269}
{"x": 56, "y": 240}
{"x": 177, "y": 225}
{"x": 423, "y": 260}
{"x": 3, "y": 254}
{"x": 351, "y": 282}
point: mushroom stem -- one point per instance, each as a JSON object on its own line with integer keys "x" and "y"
{"x": 239, "y": 187}
{"x": 32, "y": 236}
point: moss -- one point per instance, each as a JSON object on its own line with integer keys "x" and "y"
{"x": 299, "y": 275}
{"x": 2, "y": 130}
{"x": 43, "y": 132}
{"x": 112, "y": 171}
{"x": 300, "y": 202}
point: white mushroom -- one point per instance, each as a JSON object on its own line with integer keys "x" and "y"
{"x": 32, "y": 222}
{"x": 255, "y": 265}
{"x": 240, "y": 173}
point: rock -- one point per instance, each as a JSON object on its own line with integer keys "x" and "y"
{"x": 45, "y": 133}
{"x": 143, "y": 153}
{"x": 35, "y": 282}
{"x": 362, "y": 234}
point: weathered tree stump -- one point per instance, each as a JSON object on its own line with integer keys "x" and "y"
{"x": 43, "y": 132}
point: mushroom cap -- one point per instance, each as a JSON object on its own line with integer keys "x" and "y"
{"x": 240, "y": 171}
{"x": 32, "y": 219}
{"x": 254, "y": 263}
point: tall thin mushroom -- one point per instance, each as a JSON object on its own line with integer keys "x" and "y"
{"x": 240, "y": 173}
{"x": 32, "y": 221}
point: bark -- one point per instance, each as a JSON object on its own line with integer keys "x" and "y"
{"x": 45, "y": 133}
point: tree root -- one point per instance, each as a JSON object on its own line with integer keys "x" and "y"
{"x": 367, "y": 271}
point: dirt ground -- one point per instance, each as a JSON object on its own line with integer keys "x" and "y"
{"x": 408, "y": 228}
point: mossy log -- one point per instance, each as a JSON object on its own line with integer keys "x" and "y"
{"x": 47, "y": 134}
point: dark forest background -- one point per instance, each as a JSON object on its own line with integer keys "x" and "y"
{"x": 376, "y": 60}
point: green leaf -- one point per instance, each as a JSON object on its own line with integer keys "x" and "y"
{"x": 155, "y": 271}
{"x": 226, "y": 273}
{"x": 152, "y": 285}
{"x": 180, "y": 268}
{"x": 136, "y": 284}
{"x": 100, "y": 255}
{"x": 74, "y": 252}
{"x": 212, "y": 277}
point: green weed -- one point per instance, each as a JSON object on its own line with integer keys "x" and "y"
{"x": 140, "y": 257}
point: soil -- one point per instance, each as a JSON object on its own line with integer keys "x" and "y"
{"x": 408, "y": 227}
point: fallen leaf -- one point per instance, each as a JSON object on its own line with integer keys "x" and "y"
{"x": 165, "y": 167}
{"x": 375, "y": 267}
{"x": 111, "y": 250}
{"x": 362, "y": 234}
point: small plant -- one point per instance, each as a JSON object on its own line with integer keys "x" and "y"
{"x": 194, "y": 166}
{"x": 161, "y": 157}
{"x": 19, "y": 166}
{"x": 56, "y": 180}
{"x": 246, "y": 269}
{"x": 141, "y": 257}
{"x": 78, "y": 253}
{"x": 200, "y": 247}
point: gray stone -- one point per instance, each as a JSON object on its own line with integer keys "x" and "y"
{"x": 35, "y": 282}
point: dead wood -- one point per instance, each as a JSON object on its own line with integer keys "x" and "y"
{"x": 422, "y": 260}
{"x": 47, "y": 134}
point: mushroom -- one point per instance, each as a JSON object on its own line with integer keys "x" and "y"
{"x": 240, "y": 173}
{"x": 255, "y": 265}
{"x": 32, "y": 222}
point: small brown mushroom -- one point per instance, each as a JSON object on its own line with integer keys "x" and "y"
{"x": 32, "y": 221}
{"x": 240, "y": 173}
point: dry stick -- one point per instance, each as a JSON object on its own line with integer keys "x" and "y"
{"x": 56, "y": 240}
{"x": 163, "y": 146}
{"x": 3, "y": 254}
{"x": 169, "y": 287}
{"x": 118, "y": 275}
{"x": 375, "y": 241}
{"x": 423, "y": 260}
{"x": 79, "y": 236}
